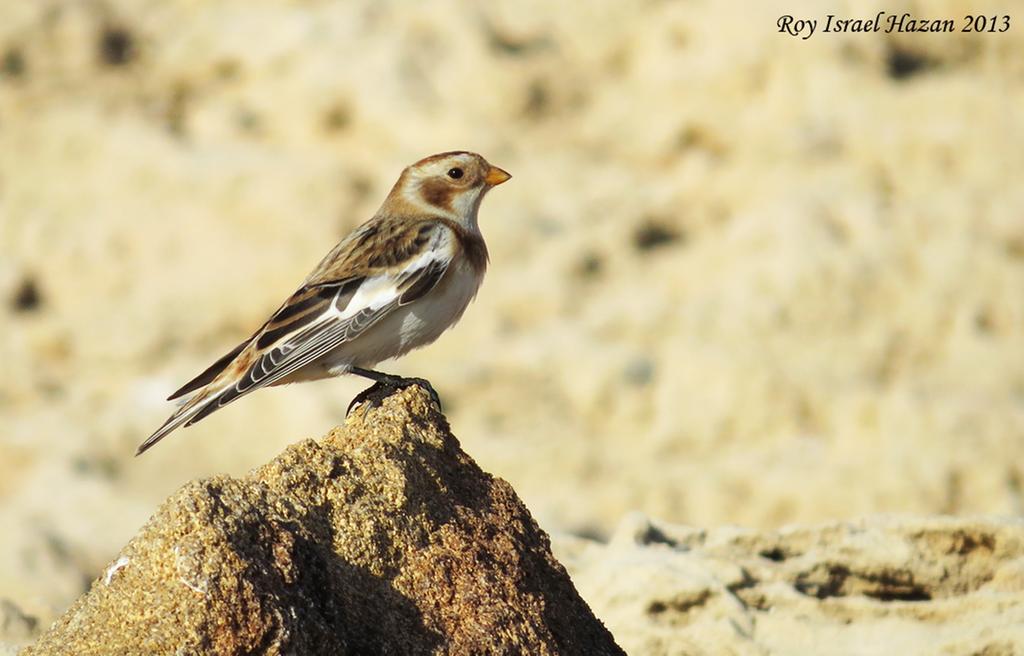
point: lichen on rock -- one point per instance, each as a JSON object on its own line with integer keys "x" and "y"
{"x": 381, "y": 537}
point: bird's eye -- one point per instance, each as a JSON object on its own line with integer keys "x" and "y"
{"x": 455, "y": 173}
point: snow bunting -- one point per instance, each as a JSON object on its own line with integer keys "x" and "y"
{"x": 394, "y": 284}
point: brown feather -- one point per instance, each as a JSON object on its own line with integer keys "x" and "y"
{"x": 438, "y": 192}
{"x": 384, "y": 242}
{"x": 472, "y": 245}
{"x": 210, "y": 372}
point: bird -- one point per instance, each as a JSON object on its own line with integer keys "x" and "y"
{"x": 394, "y": 284}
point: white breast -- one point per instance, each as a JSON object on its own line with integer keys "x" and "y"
{"x": 410, "y": 326}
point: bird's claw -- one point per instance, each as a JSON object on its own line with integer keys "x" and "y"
{"x": 376, "y": 393}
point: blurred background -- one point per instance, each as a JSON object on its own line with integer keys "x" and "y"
{"x": 737, "y": 278}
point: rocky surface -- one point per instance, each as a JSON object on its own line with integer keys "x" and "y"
{"x": 383, "y": 537}
{"x": 885, "y": 585}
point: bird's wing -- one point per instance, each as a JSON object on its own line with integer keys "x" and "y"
{"x": 336, "y": 304}
{"x": 302, "y": 304}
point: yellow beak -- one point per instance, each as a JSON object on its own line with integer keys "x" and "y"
{"x": 496, "y": 176}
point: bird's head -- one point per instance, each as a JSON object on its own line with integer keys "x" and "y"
{"x": 450, "y": 184}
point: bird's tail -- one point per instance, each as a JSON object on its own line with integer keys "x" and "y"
{"x": 191, "y": 410}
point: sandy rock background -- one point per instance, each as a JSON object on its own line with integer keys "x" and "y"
{"x": 884, "y": 585}
{"x": 738, "y": 278}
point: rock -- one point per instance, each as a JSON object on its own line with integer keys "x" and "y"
{"x": 884, "y": 585}
{"x": 382, "y": 537}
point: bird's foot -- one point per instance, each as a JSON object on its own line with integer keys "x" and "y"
{"x": 388, "y": 385}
